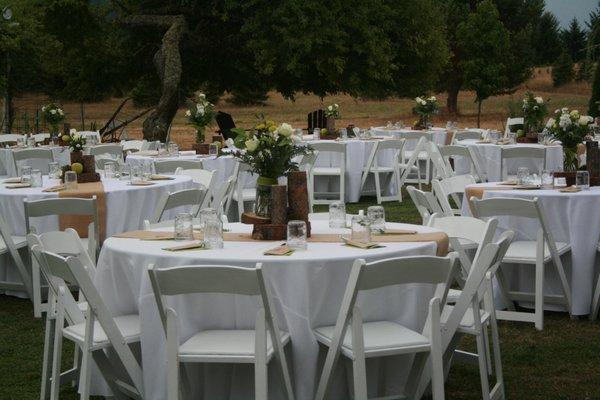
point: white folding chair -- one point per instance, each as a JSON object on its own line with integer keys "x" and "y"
{"x": 91, "y": 135}
{"x": 99, "y": 332}
{"x": 419, "y": 153}
{"x": 306, "y": 164}
{"x": 101, "y": 162}
{"x": 391, "y": 172}
{"x": 255, "y": 346}
{"x": 441, "y": 168}
{"x": 133, "y": 145}
{"x": 221, "y": 197}
{"x": 337, "y": 151}
{"x": 191, "y": 198}
{"x": 111, "y": 150}
{"x": 40, "y": 137}
{"x": 170, "y": 166}
{"x": 466, "y": 135}
{"x": 12, "y": 245}
{"x": 453, "y": 187}
{"x": 596, "y": 298}
{"x": 10, "y": 137}
{"x": 67, "y": 206}
{"x": 537, "y": 252}
{"x": 358, "y": 341}
{"x": 203, "y": 177}
{"x": 508, "y": 153}
{"x": 31, "y": 156}
{"x": 454, "y": 152}
{"x": 240, "y": 194}
{"x": 425, "y": 202}
{"x": 511, "y": 123}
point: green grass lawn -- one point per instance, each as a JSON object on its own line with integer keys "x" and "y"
{"x": 562, "y": 362}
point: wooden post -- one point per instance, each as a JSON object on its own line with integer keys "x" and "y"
{"x": 298, "y": 198}
{"x": 279, "y": 204}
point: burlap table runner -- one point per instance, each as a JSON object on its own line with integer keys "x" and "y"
{"x": 439, "y": 237}
{"x": 80, "y": 222}
{"x": 477, "y": 191}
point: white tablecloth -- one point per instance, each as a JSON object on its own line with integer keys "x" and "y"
{"x": 437, "y": 135}
{"x": 126, "y": 209}
{"x": 307, "y": 286}
{"x": 7, "y": 163}
{"x": 573, "y": 218}
{"x": 489, "y": 159}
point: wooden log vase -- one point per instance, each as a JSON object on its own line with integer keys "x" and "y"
{"x": 298, "y": 206}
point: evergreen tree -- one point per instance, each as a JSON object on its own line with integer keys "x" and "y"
{"x": 594, "y": 104}
{"x": 562, "y": 71}
{"x": 574, "y": 38}
{"x": 547, "y": 39}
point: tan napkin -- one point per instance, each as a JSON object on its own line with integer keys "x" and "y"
{"x": 146, "y": 235}
{"x": 487, "y": 141}
{"x": 282, "y": 250}
{"x": 503, "y": 141}
{"x": 161, "y": 178}
{"x": 396, "y": 232}
{"x": 361, "y": 245}
{"x": 142, "y": 183}
{"x": 527, "y": 187}
{"x": 56, "y": 188}
{"x": 17, "y": 185}
{"x": 509, "y": 183}
{"x": 188, "y": 246}
{"x": 570, "y": 189}
{"x": 12, "y": 180}
{"x": 147, "y": 153}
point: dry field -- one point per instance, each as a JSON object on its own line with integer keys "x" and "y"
{"x": 360, "y": 112}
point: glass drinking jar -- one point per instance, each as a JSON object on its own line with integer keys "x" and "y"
{"x": 296, "y": 235}
{"x": 36, "y": 178}
{"x": 184, "y": 227}
{"x": 70, "y": 180}
{"x": 213, "y": 234}
{"x": 173, "y": 149}
{"x": 316, "y": 134}
{"x": 25, "y": 174}
{"x": 376, "y": 215}
{"x": 361, "y": 228}
{"x": 213, "y": 149}
{"x": 547, "y": 179}
{"x": 109, "y": 170}
{"x": 522, "y": 175}
{"x": 207, "y": 214}
{"x": 53, "y": 170}
{"x": 582, "y": 180}
{"x": 337, "y": 215}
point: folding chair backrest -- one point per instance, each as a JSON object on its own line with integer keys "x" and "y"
{"x": 412, "y": 135}
{"x": 28, "y": 157}
{"x": 315, "y": 119}
{"x": 10, "y": 137}
{"x": 222, "y": 196}
{"x": 513, "y": 124}
{"x": 443, "y": 168}
{"x": 505, "y": 206}
{"x": 115, "y": 150}
{"x": 451, "y": 187}
{"x": 521, "y": 153}
{"x": 425, "y": 202}
{"x": 170, "y": 166}
{"x": 466, "y": 135}
{"x": 395, "y": 144}
{"x": 101, "y": 162}
{"x": 71, "y": 270}
{"x": 202, "y": 177}
{"x": 333, "y": 148}
{"x": 129, "y": 145}
{"x": 307, "y": 162}
{"x": 40, "y": 137}
{"x": 65, "y": 243}
{"x": 14, "y": 253}
{"x": 181, "y": 198}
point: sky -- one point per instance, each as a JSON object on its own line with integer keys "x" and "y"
{"x": 565, "y": 10}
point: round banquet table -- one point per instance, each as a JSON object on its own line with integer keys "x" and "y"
{"x": 307, "y": 287}
{"x": 437, "y": 135}
{"x": 573, "y": 218}
{"x": 7, "y": 164}
{"x": 126, "y": 209}
{"x": 489, "y": 159}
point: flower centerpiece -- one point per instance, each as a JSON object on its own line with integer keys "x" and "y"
{"x": 53, "y": 115}
{"x": 571, "y": 128}
{"x": 332, "y": 112}
{"x": 534, "y": 111}
{"x": 200, "y": 113}
{"x": 74, "y": 140}
{"x": 269, "y": 150}
{"x": 425, "y": 108}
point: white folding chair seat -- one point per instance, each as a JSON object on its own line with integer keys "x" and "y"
{"x": 467, "y": 323}
{"x": 521, "y": 252}
{"x": 523, "y": 153}
{"x": 128, "y": 325}
{"x": 336, "y": 151}
{"x": 425, "y": 202}
{"x": 225, "y": 345}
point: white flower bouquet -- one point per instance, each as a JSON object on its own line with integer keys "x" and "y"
{"x": 53, "y": 115}
{"x": 571, "y": 128}
{"x": 425, "y": 107}
{"x": 534, "y": 111}
{"x": 200, "y": 113}
{"x": 74, "y": 140}
{"x": 332, "y": 111}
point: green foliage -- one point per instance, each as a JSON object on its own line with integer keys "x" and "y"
{"x": 594, "y": 104}
{"x": 562, "y": 71}
{"x": 574, "y": 38}
{"x": 485, "y": 45}
{"x": 547, "y": 39}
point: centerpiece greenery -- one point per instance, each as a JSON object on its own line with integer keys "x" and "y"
{"x": 534, "y": 111}
{"x": 332, "y": 112}
{"x": 269, "y": 150}
{"x": 425, "y": 108}
{"x": 53, "y": 115}
{"x": 74, "y": 140}
{"x": 571, "y": 128}
{"x": 200, "y": 113}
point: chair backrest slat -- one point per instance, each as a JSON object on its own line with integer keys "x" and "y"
{"x": 502, "y": 206}
{"x": 111, "y": 149}
{"x": 181, "y": 198}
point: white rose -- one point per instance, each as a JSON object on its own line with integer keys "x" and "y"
{"x": 432, "y": 98}
{"x": 285, "y": 130}
{"x": 53, "y": 111}
{"x": 539, "y": 100}
{"x": 202, "y": 96}
{"x": 60, "y": 111}
{"x": 72, "y": 131}
{"x": 550, "y": 122}
{"x": 330, "y": 108}
{"x": 252, "y": 144}
{"x": 423, "y": 102}
{"x": 336, "y": 106}
{"x": 418, "y": 100}
{"x": 564, "y": 109}
{"x": 583, "y": 120}
{"x": 188, "y": 113}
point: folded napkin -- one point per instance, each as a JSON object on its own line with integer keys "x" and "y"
{"x": 142, "y": 183}
{"x": 147, "y": 153}
{"x": 56, "y": 188}
{"x": 146, "y": 235}
{"x": 161, "y": 178}
{"x": 12, "y": 180}
{"x": 508, "y": 183}
{"x": 503, "y": 141}
{"x": 187, "y": 153}
{"x": 188, "y": 246}
{"x": 528, "y": 187}
{"x": 486, "y": 141}
{"x": 396, "y": 232}
{"x": 17, "y": 185}
{"x": 283, "y": 250}
{"x": 570, "y": 189}
{"x": 361, "y": 245}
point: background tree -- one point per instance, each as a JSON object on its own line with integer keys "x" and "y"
{"x": 574, "y": 39}
{"x": 594, "y": 104}
{"x": 485, "y": 44}
{"x": 547, "y": 39}
{"x": 562, "y": 71}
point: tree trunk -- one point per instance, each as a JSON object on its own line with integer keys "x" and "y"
{"x": 452, "y": 101}
{"x": 479, "y": 113}
{"x": 167, "y": 61}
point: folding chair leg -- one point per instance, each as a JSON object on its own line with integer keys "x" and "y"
{"x": 483, "y": 366}
{"x": 539, "y": 295}
{"x": 107, "y": 371}
{"x": 260, "y": 361}
{"x": 486, "y": 343}
{"x": 57, "y": 355}
{"x": 596, "y": 302}
{"x": 48, "y": 350}
{"x": 359, "y": 378}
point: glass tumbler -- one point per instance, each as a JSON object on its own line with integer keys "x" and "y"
{"x": 53, "y": 170}
{"x": 213, "y": 149}
{"x": 337, "y": 214}
{"x": 125, "y": 172}
{"x": 25, "y": 174}
{"x": 316, "y": 134}
{"x": 361, "y": 229}
{"x": 207, "y": 214}
{"x": 36, "y": 178}
{"x": 70, "y": 180}
{"x": 173, "y": 149}
{"x": 109, "y": 170}
{"x": 522, "y": 175}
{"x": 547, "y": 179}
{"x": 582, "y": 180}
{"x": 30, "y": 142}
{"x": 213, "y": 234}
{"x": 376, "y": 215}
{"x": 184, "y": 227}
{"x": 296, "y": 235}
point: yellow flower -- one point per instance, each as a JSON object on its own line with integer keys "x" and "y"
{"x": 270, "y": 123}
{"x": 260, "y": 127}
{"x": 272, "y": 128}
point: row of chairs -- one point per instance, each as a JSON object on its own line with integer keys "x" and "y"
{"x": 93, "y": 329}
